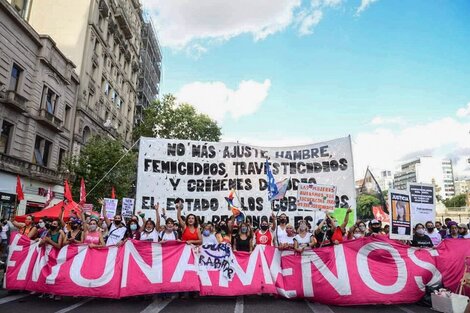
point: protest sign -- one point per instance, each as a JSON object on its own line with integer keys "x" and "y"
{"x": 110, "y": 206}
{"x": 400, "y": 215}
{"x": 203, "y": 173}
{"x": 87, "y": 207}
{"x": 217, "y": 257}
{"x": 372, "y": 270}
{"x": 316, "y": 197}
{"x": 127, "y": 207}
{"x": 340, "y": 213}
{"x": 422, "y": 202}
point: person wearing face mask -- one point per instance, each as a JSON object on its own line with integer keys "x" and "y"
{"x": 75, "y": 233}
{"x": 133, "y": 231}
{"x": 287, "y": 243}
{"x": 117, "y": 230}
{"x": 42, "y": 228}
{"x": 27, "y": 228}
{"x": 463, "y": 230}
{"x": 355, "y": 233}
{"x": 420, "y": 239}
{"x": 149, "y": 231}
{"x": 208, "y": 237}
{"x": 433, "y": 233}
{"x": 169, "y": 233}
{"x": 440, "y": 229}
{"x": 264, "y": 235}
{"x": 281, "y": 229}
{"x": 224, "y": 235}
{"x": 93, "y": 237}
{"x": 244, "y": 240}
{"x": 55, "y": 236}
{"x": 362, "y": 228}
{"x": 303, "y": 240}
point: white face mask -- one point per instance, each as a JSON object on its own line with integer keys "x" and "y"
{"x": 42, "y": 224}
{"x": 357, "y": 235}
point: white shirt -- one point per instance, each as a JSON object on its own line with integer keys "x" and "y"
{"x": 303, "y": 242}
{"x": 152, "y": 236}
{"x": 467, "y": 236}
{"x": 209, "y": 240}
{"x": 435, "y": 237}
{"x": 288, "y": 240}
{"x": 168, "y": 236}
{"x": 3, "y": 234}
{"x": 281, "y": 234}
{"x": 115, "y": 234}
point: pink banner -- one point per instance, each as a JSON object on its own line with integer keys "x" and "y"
{"x": 365, "y": 271}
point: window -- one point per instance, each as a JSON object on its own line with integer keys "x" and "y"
{"x": 21, "y": 6}
{"x": 50, "y": 99}
{"x": 15, "y": 77}
{"x": 5, "y": 136}
{"x": 61, "y": 158}
{"x": 42, "y": 149}
{"x": 106, "y": 87}
{"x": 113, "y": 95}
{"x": 68, "y": 111}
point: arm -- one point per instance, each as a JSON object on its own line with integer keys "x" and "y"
{"x": 33, "y": 232}
{"x": 273, "y": 216}
{"x": 234, "y": 248}
{"x": 346, "y": 220}
{"x": 103, "y": 209}
{"x": 180, "y": 220}
{"x": 296, "y": 247}
{"x": 318, "y": 229}
{"x": 251, "y": 246}
{"x": 61, "y": 215}
{"x": 313, "y": 241}
{"x": 196, "y": 242}
{"x": 157, "y": 213}
{"x": 17, "y": 224}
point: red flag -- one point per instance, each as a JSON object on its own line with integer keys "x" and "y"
{"x": 67, "y": 192}
{"x": 82, "y": 192}
{"x": 113, "y": 193}
{"x": 19, "y": 189}
{"x": 379, "y": 214}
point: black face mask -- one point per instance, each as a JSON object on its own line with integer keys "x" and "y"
{"x": 264, "y": 227}
{"x": 52, "y": 227}
{"x": 375, "y": 229}
{"x": 117, "y": 222}
{"x": 282, "y": 221}
{"x": 430, "y": 229}
{"x": 74, "y": 227}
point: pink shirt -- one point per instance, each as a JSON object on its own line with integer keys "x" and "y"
{"x": 92, "y": 238}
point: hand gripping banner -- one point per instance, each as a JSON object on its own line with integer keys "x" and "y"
{"x": 373, "y": 270}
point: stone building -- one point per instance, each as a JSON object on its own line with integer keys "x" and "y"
{"x": 38, "y": 92}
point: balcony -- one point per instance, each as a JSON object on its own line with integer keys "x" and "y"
{"x": 50, "y": 120}
{"x": 14, "y": 100}
{"x": 121, "y": 19}
{"x": 16, "y": 165}
{"x": 104, "y": 8}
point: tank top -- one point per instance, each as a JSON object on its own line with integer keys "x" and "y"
{"x": 264, "y": 239}
{"x": 77, "y": 237}
{"x": 26, "y": 230}
{"x": 92, "y": 238}
{"x": 188, "y": 235}
{"x": 243, "y": 244}
{"x": 55, "y": 237}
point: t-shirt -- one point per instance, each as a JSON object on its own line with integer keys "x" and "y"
{"x": 303, "y": 242}
{"x": 421, "y": 241}
{"x": 287, "y": 240}
{"x": 467, "y": 236}
{"x": 435, "y": 237}
{"x": 168, "y": 236}
{"x": 115, "y": 235}
{"x": 209, "y": 240}
{"x": 152, "y": 236}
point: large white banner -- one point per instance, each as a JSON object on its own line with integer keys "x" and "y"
{"x": 203, "y": 173}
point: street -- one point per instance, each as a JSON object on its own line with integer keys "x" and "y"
{"x": 25, "y": 302}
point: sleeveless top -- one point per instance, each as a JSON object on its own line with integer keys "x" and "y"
{"x": 92, "y": 237}
{"x": 55, "y": 237}
{"x": 264, "y": 239}
{"x": 188, "y": 235}
{"x": 26, "y": 230}
{"x": 243, "y": 244}
{"x": 77, "y": 237}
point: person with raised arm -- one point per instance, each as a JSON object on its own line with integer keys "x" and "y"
{"x": 191, "y": 233}
{"x": 117, "y": 230}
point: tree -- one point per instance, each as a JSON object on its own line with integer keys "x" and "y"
{"x": 456, "y": 201}
{"x": 364, "y": 206}
{"x": 96, "y": 158}
{"x": 166, "y": 119}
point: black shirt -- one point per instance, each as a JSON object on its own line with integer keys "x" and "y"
{"x": 243, "y": 245}
{"x": 421, "y": 241}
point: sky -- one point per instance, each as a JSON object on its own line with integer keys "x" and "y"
{"x": 392, "y": 74}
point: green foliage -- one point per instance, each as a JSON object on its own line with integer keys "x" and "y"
{"x": 364, "y": 206}
{"x": 96, "y": 158}
{"x": 456, "y": 201}
{"x": 165, "y": 119}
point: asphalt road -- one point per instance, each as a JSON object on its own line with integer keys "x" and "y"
{"x": 25, "y": 302}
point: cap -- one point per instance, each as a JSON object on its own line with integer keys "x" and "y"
{"x": 319, "y": 221}
{"x": 375, "y": 221}
{"x": 463, "y": 225}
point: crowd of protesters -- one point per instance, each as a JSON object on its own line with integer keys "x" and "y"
{"x": 242, "y": 236}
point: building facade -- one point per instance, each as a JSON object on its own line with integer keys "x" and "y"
{"x": 103, "y": 39}
{"x": 428, "y": 170}
{"x": 148, "y": 87}
{"x": 38, "y": 92}
{"x": 462, "y": 187}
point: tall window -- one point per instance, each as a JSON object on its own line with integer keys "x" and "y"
{"x": 42, "y": 150}
{"x": 5, "y": 136}
{"x": 50, "y": 99}
{"x": 68, "y": 111}
{"x": 61, "y": 158}
{"x": 15, "y": 77}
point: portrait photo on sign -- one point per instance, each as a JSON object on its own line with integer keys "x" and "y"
{"x": 401, "y": 211}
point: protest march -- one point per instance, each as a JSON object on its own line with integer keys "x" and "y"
{"x": 229, "y": 219}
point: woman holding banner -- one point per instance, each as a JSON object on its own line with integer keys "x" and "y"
{"x": 117, "y": 230}
{"x": 304, "y": 239}
{"x": 27, "y": 228}
{"x": 92, "y": 236}
{"x": 244, "y": 240}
